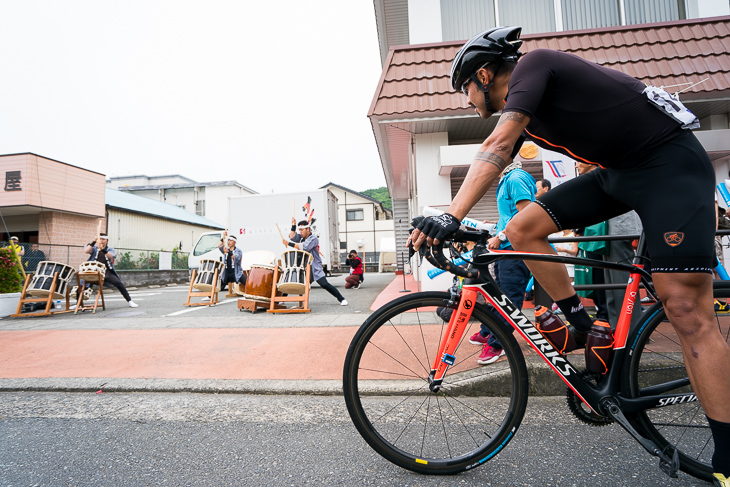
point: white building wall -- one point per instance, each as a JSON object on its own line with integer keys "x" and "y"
{"x": 432, "y": 189}
{"x": 364, "y": 235}
{"x": 217, "y": 202}
{"x": 137, "y": 231}
{"x": 424, "y": 21}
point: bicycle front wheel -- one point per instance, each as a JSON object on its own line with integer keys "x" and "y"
{"x": 386, "y": 385}
{"x": 656, "y": 366}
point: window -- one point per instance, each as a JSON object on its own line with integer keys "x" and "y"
{"x": 355, "y": 215}
{"x": 207, "y": 243}
{"x": 200, "y": 207}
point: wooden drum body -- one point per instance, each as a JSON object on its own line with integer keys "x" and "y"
{"x": 92, "y": 271}
{"x": 206, "y": 273}
{"x": 293, "y": 277}
{"x": 259, "y": 282}
{"x": 40, "y": 285}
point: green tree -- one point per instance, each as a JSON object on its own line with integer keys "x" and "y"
{"x": 380, "y": 194}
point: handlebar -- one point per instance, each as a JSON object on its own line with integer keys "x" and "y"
{"x": 435, "y": 254}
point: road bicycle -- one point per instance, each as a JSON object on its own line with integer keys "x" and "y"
{"x": 417, "y": 396}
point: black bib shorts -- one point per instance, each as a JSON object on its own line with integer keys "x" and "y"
{"x": 671, "y": 189}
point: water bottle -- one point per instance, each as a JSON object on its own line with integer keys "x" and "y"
{"x": 554, "y": 330}
{"x": 599, "y": 348}
{"x": 58, "y": 304}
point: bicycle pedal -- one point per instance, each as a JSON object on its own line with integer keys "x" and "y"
{"x": 669, "y": 466}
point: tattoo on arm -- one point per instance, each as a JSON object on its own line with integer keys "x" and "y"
{"x": 491, "y": 158}
{"x": 511, "y": 116}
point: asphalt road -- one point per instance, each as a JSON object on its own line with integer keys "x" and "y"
{"x": 163, "y": 307}
{"x": 79, "y": 439}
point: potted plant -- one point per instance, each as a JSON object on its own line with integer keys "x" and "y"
{"x": 11, "y": 282}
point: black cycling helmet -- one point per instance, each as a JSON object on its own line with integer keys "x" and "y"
{"x": 493, "y": 45}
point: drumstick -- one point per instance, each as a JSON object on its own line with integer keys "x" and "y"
{"x": 280, "y": 234}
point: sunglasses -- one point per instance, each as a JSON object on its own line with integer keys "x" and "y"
{"x": 465, "y": 87}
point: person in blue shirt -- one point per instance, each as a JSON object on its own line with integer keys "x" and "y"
{"x": 515, "y": 191}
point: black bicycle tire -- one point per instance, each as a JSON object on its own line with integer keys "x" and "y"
{"x": 631, "y": 383}
{"x": 513, "y": 417}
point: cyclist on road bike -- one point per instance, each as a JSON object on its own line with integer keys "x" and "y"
{"x": 648, "y": 160}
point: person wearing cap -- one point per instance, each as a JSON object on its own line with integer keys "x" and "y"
{"x": 233, "y": 271}
{"x": 19, "y": 249}
{"x": 305, "y": 240}
{"x": 100, "y": 251}
{"x": 638, "y": 135}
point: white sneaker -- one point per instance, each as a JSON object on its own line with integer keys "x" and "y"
{"x": 132, "y": 304}
{"x": 343, "y": 302}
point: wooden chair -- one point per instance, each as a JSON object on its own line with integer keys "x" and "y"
{"x": 212, "y": 294}
{"x": 89, "y": 278}
{"x": 302, "y": 299}
{"x": 25, "y": 298}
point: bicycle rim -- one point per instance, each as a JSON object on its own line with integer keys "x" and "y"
{"x": 655, "y": 361}
{"x": 471, "y": 418}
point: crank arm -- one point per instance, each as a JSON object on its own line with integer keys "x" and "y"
{"x": 668, "y": 460}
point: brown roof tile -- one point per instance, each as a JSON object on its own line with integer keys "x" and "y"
{"x": 416, "y": 78}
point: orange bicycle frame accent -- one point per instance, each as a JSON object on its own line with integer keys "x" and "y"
{"x": 627, "y": 309}
{"x": 454, "y": 333}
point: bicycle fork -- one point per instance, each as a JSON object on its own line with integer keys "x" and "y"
{"x": 451, "y": 339}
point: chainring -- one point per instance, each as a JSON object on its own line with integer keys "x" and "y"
{"x": 581, "y": 410}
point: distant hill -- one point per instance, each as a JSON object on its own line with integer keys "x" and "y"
{"x": 380, "y": 194}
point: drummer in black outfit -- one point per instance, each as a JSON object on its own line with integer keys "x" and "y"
{"x": 101, "y": 252}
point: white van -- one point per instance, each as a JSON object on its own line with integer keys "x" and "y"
{"x": 205, "y": 248}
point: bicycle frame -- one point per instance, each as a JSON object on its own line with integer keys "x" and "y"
{"x": 591, "y": 395}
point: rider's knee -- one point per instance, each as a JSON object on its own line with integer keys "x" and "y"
{"x": 520, "y": 230}
{"x": 686, "y": 316}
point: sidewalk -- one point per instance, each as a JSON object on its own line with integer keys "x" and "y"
{"x": 231, "y": 352}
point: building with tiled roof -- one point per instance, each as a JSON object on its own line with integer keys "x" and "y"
{"x": 427, "y": 135}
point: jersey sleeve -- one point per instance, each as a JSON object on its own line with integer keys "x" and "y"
{"x": 528, "y": 82}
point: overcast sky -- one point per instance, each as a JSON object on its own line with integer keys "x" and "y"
{"x": 273, "y": 95}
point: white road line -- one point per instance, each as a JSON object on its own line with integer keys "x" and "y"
{"x": 195, "y": 308}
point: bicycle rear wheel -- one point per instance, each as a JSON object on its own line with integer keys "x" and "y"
{"x": 656, "y": 366}
{"x": 471, "y": 418}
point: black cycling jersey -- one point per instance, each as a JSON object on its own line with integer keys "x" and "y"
{"x": 585, "y": 111}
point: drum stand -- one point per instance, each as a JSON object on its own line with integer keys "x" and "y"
{"x": 302, "y": 299}
{"x": 212, "y": 294}
{"x": 89, "y": 278}
{"x": 48, "y": 300}
{"x": 231, "y": 293}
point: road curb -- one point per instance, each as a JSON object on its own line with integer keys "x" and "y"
{"x": 543, "y": 382}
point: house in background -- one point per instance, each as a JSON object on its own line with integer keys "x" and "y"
{"x": 365, "y": 225}
{"x": 209, "y": 200}
{"x": 59, "y": 206}
{"x": 135, "y": 222}
{"x": 427, "y": 134}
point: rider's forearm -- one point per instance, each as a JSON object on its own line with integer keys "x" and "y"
{"x": 485, "y": 169}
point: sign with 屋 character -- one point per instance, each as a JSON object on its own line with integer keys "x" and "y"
{"x": 12, "y": 181}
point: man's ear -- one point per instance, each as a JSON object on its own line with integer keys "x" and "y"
{"x": 484, "y": 76}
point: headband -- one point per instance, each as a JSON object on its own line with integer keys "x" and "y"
{"x": 304, "y": 226}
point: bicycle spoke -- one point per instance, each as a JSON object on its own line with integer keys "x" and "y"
{"x": 471, "y": 414}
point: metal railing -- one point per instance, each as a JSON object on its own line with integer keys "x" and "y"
{"x": 73, "y": 255}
